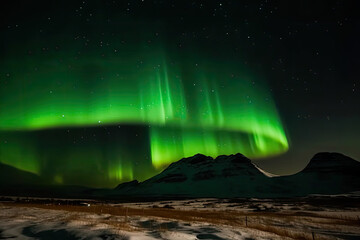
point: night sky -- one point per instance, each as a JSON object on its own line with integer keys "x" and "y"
{"x": 99, "y": 92}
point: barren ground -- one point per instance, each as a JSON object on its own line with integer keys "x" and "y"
{"x": 180, "y": 219}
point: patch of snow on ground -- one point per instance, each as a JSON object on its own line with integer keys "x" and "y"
{"x": 34, "y": 223}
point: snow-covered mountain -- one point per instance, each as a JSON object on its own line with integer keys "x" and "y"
{"x": 236, "y": 176}
{"x": 202, "y": 176}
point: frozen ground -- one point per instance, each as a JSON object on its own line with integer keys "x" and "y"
{"x": 183, "y": 220}
{"x": 36, "y": 223}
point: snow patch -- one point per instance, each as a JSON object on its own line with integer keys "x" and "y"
{"x": 264, "y": 172}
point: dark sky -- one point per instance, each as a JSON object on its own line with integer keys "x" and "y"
{"x": 307, "y": 51}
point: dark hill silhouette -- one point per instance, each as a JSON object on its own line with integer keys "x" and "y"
{"x": 326, "y": 173}
{"x": 13, "y": 176}
{"x": 16, "y": 182}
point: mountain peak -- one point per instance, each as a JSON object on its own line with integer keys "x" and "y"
{"x": 332, "y": 157}
{"x": 325, "y": 161}
{"x": 200, "y": 159}
{"x": 329, "y": 156}
{"x": 234, "y": 158}
{"x": 197, "y": 159}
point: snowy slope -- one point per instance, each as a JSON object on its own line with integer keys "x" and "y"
{"x": 265, "y": 172}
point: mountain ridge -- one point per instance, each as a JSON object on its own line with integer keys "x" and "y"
{"x": 237, "y": 176}
{"x": 198, "y": 176}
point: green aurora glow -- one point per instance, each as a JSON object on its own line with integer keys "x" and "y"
{"x": 183, "y": 103}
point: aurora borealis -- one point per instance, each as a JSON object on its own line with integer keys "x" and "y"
{"x": 186, "y": 107}
{"x": 93, "y": 94}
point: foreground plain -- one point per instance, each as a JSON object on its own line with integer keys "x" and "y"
{"x": 316, "y": 217}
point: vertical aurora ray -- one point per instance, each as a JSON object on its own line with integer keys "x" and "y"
{"x": 120, "y": 171}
